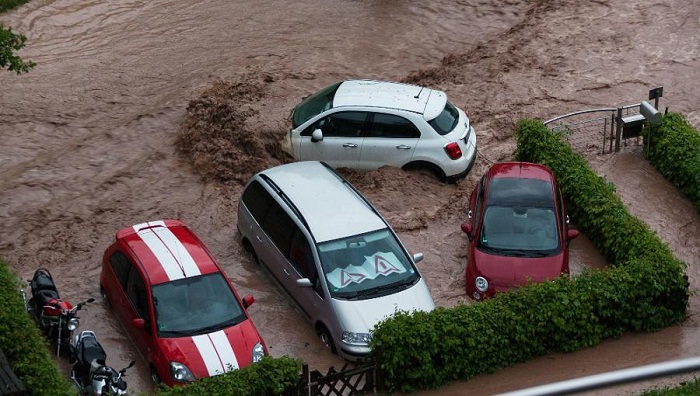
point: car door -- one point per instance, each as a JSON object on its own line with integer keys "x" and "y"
{"x": 474, "y": 215}
{"x": 342, "y": 139}
{"x": 139, "y": 307}
{"x": 301, "y": 264}
{"x": 389, "y": 140}
{"x": 278, "y": 229}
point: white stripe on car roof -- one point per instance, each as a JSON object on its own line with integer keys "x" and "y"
{"x": 216, "y": 351}
{"x": 169, "y": 251}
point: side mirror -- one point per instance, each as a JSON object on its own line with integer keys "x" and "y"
{"x": 304, "y": 282}
{"x": 571, "y": 234}
{"x": 468, "y": 229}
{"x": 139, "y": 323}
{"x": 248, "y": 301}
{"x": 316, "y": 135}
{"x": 417, "y": 257}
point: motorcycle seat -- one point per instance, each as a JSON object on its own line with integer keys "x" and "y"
{"x": 45, "y": 296}
{"x": 91, "y": 351}
{"x": 42, "y": 280}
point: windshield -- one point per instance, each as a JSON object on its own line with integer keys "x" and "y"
{"x": 197, "y": 305}
{"x": 366, "y": 266}
{"x": 314, "y": 104}
{"x": 515, "y": 230}
{"x": 446, "y": 121}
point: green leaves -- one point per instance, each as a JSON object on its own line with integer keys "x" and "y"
{"x": 674, "y": 149}
{"x": 9, "y": 43}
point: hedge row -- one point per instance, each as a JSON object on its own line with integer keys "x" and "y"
{"x": 674, "y": 149}
{"x": 24, "y": 346}
{"x": 271, "y": 376}
{"x": 644, "y": 290}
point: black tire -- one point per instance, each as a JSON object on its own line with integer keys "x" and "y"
{"x": 155, "y": 378}
{"x": 105, "y": 300}
{"x": 426, "y": 168}
{"x": 249, "y": 248}
{"x": 326, "y": 338}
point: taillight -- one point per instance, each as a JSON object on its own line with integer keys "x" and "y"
{"x": 453, "y": 151}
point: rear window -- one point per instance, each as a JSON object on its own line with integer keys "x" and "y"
{"x": 314, "y": 104}
{"x": 446, "y": 121}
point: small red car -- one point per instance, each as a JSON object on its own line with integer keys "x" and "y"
{"x": 518, "y": 229}
{"x": 177, "y": 304}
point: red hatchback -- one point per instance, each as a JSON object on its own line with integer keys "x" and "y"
{"x": 176, "y": 303}
{"x": 518, "y": 229}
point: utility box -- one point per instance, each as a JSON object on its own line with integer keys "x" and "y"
{"x": 632, "y": 125}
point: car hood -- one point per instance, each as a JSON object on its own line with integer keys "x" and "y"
{"x": 505, "y": 272}
{"x": 213, "y": 353}
{"x": 360, "y": 316}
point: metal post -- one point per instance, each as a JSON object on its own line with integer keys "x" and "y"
{"x": 618, "y": 133}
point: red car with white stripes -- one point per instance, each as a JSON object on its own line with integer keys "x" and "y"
{"x": 176, "y": 303}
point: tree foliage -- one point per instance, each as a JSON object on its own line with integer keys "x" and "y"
{"x": 9, "y": 43}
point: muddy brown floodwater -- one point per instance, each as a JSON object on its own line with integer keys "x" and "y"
{"x": 87, "y": 139}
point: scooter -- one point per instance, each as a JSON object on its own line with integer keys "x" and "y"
{"x": 55, "y": 317}
{"x": 90, "y": 372}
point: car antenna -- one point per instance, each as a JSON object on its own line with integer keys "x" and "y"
{"x": 418, "y": 94}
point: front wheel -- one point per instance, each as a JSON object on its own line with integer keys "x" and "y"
{"x": 103, "y": 295}
{"x": 155, "y": 378}
{"x": 326, "y": 338}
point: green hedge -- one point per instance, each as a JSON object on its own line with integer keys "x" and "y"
{"x": 24, "y": 346}
{"x": 271, "y": 376}
{"x": 6, "y": 5}
{"x": 674, "y": 149}
{"x": 645, "y": 290}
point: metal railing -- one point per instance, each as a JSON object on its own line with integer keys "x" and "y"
{"x": 611, "y": 378}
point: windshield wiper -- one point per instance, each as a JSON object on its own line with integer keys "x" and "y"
{"x": 217, "y": 326}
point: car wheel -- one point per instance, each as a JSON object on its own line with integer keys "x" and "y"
{"x": 426, "y": 168}
{"x": 326, "y": 338}
{"x": 155, "y": 378}
{"x": 249, "y": 248}
{"x": 103, "y": 294}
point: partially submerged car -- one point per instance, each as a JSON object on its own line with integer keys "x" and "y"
{"x": 518, "y": 229}
{"x": 176, "y": 303}
{"x": 365, "y": 124}
{"x": 332, "y": 251}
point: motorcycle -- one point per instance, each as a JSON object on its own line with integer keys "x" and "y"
{"x": 55, "y": 317}
{"x": 90, "y": 372}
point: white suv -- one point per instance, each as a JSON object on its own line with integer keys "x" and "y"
{"x": 364, "y": 124}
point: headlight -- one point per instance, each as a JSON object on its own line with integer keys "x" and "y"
{"x": 258, "y": 352}
{"x": 73, "y": 323}
{"x": 481, "y": 284}
{"x": 180, "y": 372}
{"x": 356, "y": 338}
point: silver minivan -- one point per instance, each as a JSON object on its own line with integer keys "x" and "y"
{"x": 331, "y": 250}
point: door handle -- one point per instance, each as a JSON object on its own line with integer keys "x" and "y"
{"x": 351, "y": 145}
{"x": 258, "y": 238}
{"x": 286, "y": 271}
{"x": 403, "y": 147}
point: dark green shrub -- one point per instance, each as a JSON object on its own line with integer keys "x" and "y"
{"x": 674, "y": 149}
{"x": 271, "y": 376}
{"x": 23, "y": 345}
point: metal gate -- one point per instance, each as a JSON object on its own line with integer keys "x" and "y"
{"x": 597, "y": 131}
{"x": 352, "y": 379}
